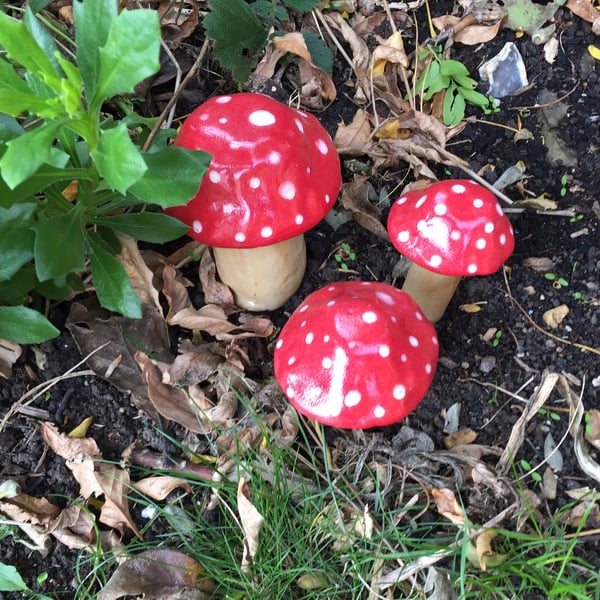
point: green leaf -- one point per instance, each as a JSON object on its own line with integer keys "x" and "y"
{"x": 319, "y": 51}
{"x": 238, "y": 36}
{"x": 16, "y": 237}
{"x": 148, "y": 227}
{"x": 173, "y": 176}
{"x": 92, "y": 24}
{"x": 17, "y": 288}
{"x": 453, "y": 108}
{"x": 473, "y": 97}
{"x": 59, "y": 246}
{"x": 10, "y": 580}
{"x": 301, "y": 6}
{"x": 21, "y": 46}
{"x": 118, "y": 159}
{"x": 44, "y": 177}
{"x": 129, "y": 55}
{"x": 465, "y": 82}
{"x": 15, "y": 95}
{"x": 452, "y": 68}
{"x": 113, "y": 287}
{"x": 27, "y": 153}
{"x": 23, "y": 326}
{"x": 44, "y": 40}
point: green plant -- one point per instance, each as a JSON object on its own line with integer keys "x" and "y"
{"x": 71, "y": 175}
{"x": 241, "y": 30}
{"x": 496, "y": 338}
{"x": 452, "y": 78}
{"x": 556, "y": 281}
{"x": 343, "y": 254}
{"x": 11, "y": 581}
{"x": 563, "y": 185}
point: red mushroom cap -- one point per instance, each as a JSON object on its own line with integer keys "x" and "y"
{"x": 455, "y": 227}
{"x": 275, "y": 172}
{"x": 356, "y": 354}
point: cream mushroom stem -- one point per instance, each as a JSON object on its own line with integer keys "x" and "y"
{"x": 431, "y": 291}
{"x": 263, "y": 278}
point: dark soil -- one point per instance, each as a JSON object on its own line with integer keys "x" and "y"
{"x": 474, "y": 370}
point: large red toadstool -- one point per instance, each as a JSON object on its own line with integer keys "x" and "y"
{"x": 274, "y": 174}
{"x": 451, "y": 229}
{"x": 356, "y": 354}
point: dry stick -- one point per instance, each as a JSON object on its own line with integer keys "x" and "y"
{"x": 43, "y": 387}
{"x": 171, "y": 103}
{"x": 178, "y": 74}
{"x": 540, "y": 328}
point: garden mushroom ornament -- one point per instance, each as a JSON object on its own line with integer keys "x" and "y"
{"x": 356, "y": 354}
{"x": 274, "y": 174}
{"x": 452, "y": 229}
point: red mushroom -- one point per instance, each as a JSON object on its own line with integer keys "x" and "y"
{"x": 356, "y": 354}
{"x": 274, "y": 174}
{"x": 452, "y": 229}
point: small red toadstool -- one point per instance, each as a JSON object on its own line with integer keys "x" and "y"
{"x": 452, "y": 229}
{"x": 356, "y": 354}
{"x": 274, "y": 174}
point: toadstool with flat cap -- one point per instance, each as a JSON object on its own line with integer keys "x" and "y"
{"x": 452, "y": 229}
{"x": 356, "y": 354}
{"x": 274, "y": 174}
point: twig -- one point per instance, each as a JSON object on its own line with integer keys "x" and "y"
{"x": 171, "y": 103}
{"x": 540, "y": 328}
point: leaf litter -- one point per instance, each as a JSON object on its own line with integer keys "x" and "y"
{"x": 201, "y": 386}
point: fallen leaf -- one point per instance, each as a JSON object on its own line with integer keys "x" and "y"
{"x": 355, "y": 199}
{"x": 159, "y": 574}
{"x": 9, "y": 354}
{"x": 81, "y": 430}
{"x": 460, "y": 438}
{"x": 252, "y": 521}
{"x": 555, "y": 316}
{"x": 448, "y": 506}
{"x": 592, "y": 428}
{"x": 160, "y": 486}
{"x": 178, "y": 20}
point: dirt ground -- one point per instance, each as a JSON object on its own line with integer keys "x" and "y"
{"x": 490, "y": 359}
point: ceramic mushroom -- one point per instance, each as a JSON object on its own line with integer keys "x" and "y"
{"x": 274, "y": 174}
{"x": 450, "y": 230}
{"x": 356, "y": 355}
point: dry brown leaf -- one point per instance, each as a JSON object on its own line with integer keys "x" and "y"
{"x": 355, "y": 138}
{"x": 555, "y": 316}
{"x": 592, "y": 428}
{"x": 159, "y": 574}
{"x": 294, "y": 43}
{"x": 448, "y": 506}
{"x": 160, "y": 486}
{"x": 193, "y": 367}
{"x": 178, "y": 20}
{"x": 585, "y": 10}
{"x": 96, "y": 331}
{"x": 460, "y": 438}
{"x": 472, "y": 34}
{"x": 390, "y": 51}
{"x": 539, "y": 264}
{"x": 95, "y": 477}
{"x": 29, "y": 509}
{"x": 9, "y": 354}
{"x": 138, "y": 272}
{"x": 170, "y": 401}
{"x": 175, "y": 291}
{"x": 317, "y": 89}
{"x": 214, "y": 291}
{"x": 355, "y": 199}
{"x": 252, "y": 521}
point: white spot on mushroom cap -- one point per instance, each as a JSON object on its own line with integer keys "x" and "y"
{"x": 327, "y": 362}
{"x": 480, "y": 243}
{"x": 240, "y": 237}
{"x": 352, "y": 398}
{"x": 478, "y": 203}
{"x": 379, "y": 412}
{"x": 309, "y": 337}
{"x": 440, "y": 209}
{"x": 287, "y": 190}
{"x": 322, "y": 146}
{"x": 254, "y": 183}
{"x": 299, "y": 125}
{"x": 214, "y": 176}
{"x": 274, "y": 157}
{"x": 399, "y": 392}
{"x": 384, "y": 350}
{"x": 223, "y": 99}
{"x": 261, "y": 118}
{"x": 266, "y": 232}
{"x": 435, "y": 260}
{"x": 459, "y": 188}
{"x": 197, "y": 226}
{"x": 299, "y": 219}
{"x": 369, "y": 317}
